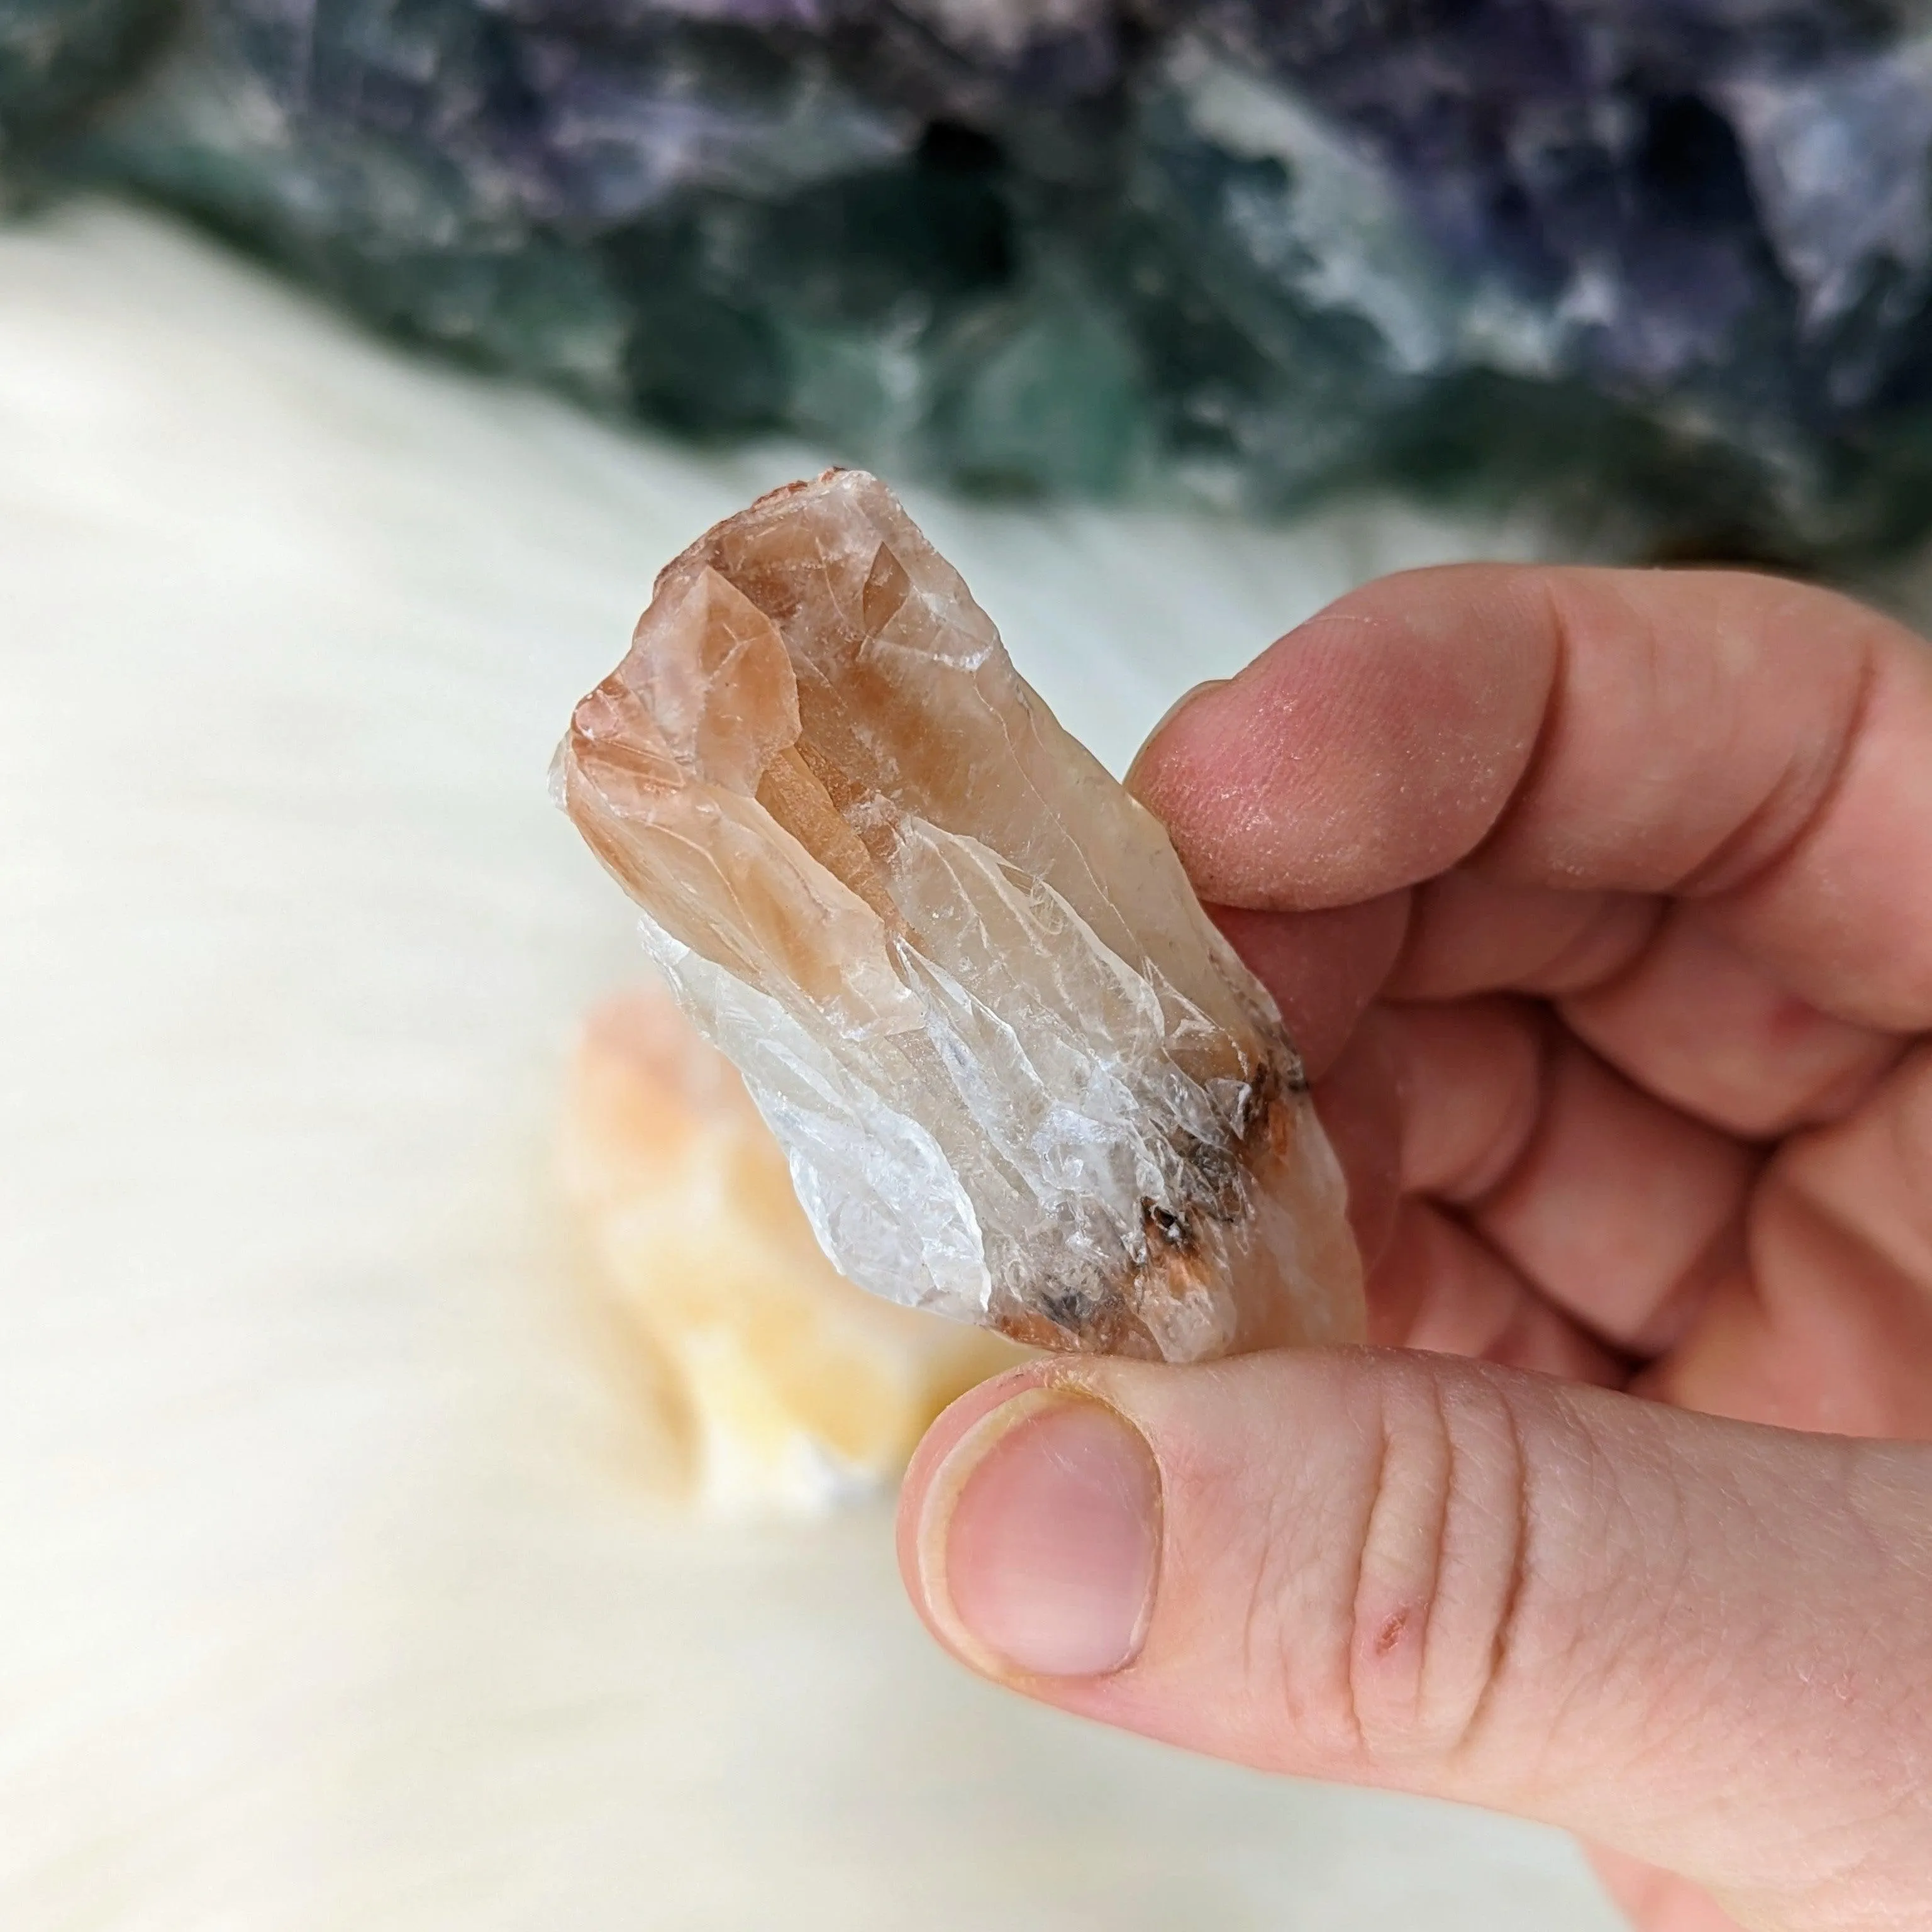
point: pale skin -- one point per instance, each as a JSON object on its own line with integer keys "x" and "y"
{"x": 1601, "y": 903}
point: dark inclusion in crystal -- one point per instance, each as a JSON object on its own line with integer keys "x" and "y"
{"x": 1666, "y": 264}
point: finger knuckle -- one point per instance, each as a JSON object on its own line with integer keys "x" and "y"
{"x": 1441, "y": 1569}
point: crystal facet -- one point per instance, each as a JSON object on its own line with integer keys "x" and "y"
{"x": 1019, "y": 1076}
{"x": 780, "y": 1386}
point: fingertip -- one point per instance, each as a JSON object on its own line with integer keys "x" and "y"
{"x": 1191, "y": 695}
{"x": 1369, "y": 748}
{"x": 1174, "y": 773}
{"x": 953, "y": 1423}
{"x": 1032, "y": 1539}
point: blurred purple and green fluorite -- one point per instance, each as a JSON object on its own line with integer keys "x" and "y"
{"x": 1662, "y": 267}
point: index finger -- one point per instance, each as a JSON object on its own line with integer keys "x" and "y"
{"x": 1761, "y": 746}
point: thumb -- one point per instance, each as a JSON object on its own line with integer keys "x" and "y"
{"x": 1702, "y": 1643}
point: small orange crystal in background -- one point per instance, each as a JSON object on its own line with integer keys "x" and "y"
{"x": 789, "y": 1385}
{"x": 1020, "y": 1077}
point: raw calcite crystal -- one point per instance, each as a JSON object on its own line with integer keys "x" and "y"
{"x": 780, "y": 1386}
{"x": 1020, "y": 1077}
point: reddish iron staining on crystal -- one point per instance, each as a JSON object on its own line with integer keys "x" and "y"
{"x": 1018, "y": 1075}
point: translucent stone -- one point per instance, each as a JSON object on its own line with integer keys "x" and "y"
{"x": 777, "y": 1387}
{"x": 1019, "y": 1076}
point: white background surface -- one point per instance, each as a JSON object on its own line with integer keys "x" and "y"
{"x": 331, "y": 1591}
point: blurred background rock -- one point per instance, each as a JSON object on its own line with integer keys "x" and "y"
{"x": 1665, "y": 265}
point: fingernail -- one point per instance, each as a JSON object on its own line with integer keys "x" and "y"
{"x": 1168, "y": 716}
{"x": 1040, "y": 1543}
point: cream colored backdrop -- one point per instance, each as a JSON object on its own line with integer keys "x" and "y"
{"x": 332, "y": 1593}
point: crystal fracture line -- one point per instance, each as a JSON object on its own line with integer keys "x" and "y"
{"x": 1018, "y": 1075}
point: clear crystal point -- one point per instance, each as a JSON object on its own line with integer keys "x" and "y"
{"x": 1018, "y": 1075}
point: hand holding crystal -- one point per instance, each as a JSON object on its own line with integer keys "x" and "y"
{"x": 1599, "y": 904}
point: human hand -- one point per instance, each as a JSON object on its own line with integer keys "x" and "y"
{"x": 1601, "y": 904}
